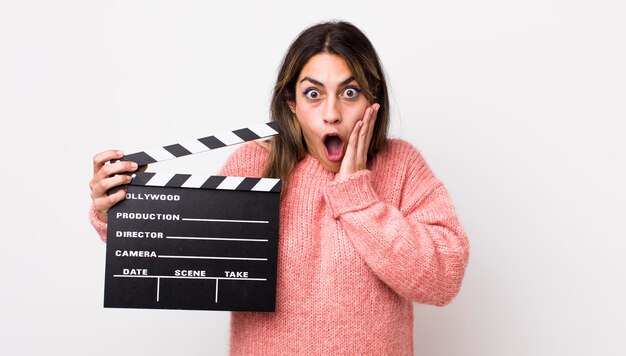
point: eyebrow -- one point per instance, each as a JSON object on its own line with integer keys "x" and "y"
{"x": 316, "y": 82}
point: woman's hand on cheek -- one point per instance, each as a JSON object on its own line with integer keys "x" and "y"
{"x": 355, "y": 158}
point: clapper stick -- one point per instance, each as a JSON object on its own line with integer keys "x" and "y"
{"x": 182, "y": 241}
{"x": 224, "y": 139}
{"x": 206, "y": 182}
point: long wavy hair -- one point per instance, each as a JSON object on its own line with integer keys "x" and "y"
{"x": 338, "y": 38}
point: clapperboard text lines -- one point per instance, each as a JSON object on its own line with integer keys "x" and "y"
{"x": 217, "y": 279}
{"x": 197, "y": 275}
{"x": 176, "y": 217}
{"x": 214, "y": 238}
{"x": 160, "y": 235}
{"x": 229, "y": 221}
{"x": 215, "y": 258}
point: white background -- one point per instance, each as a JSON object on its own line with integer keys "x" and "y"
{"x": 517, "y": 106}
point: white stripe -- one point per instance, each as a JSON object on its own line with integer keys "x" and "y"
{"x": 160, "y": 154}
{"x": 230, "y": 183}
{"x": 265, "y": 185}
{"x": 194, "y": 146}
{"x": 216, "y": 289}
{"x": 215, "y": 258}
{"x": 160, "y": 179}
{"x": 214, "y": 238}
{"x": 263, "y": 130}
{"x": 229, "y": 138}
{"x": 229, "y": 221}
{"x": 195, "y": 181}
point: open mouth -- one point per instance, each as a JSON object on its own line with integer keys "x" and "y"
{"x": 334, "y": 147}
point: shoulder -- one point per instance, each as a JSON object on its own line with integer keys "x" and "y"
{"x": 398, "y": 144}
{"x": 247, "y": 161}
{"x": 402, "y": 165}
{"x": 398, "y": 152}
{"x": 253, "y": 150}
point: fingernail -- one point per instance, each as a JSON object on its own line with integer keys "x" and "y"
{"x": 133, "y": 165}
{"x": 120, "y": 153}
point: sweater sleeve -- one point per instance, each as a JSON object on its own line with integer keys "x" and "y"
{"x": 418, "y": 249}
{"x": 99, "y": 225}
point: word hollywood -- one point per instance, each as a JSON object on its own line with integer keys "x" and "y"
{"x": 151, "y": 196}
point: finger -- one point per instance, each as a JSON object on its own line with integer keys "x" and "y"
{"x": 103, "y": 157}
{"x": 370, "y": 127}
{"x": 109, "y": 170}
{"x": 103, "y": 186}
{"x": 353, "y": 141}
{"x": 115, "y": 168}
{"x": 361, "y": 158}
{"x": 349, "y": 159}
{"x": 365, "y": 136}
{"x": 372, "y": 118}
{"x": 103, "y": 204}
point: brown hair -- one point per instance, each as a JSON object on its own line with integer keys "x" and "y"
{"x": 335, "y": 37}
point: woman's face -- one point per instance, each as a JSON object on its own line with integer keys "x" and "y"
{"x": 328, "y": 104}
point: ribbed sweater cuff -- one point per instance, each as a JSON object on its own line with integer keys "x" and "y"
{"x": 351, "y": 194}
{"x": 99, "y": 225}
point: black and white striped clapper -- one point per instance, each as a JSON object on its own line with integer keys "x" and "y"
{"x": 181, "y": 241}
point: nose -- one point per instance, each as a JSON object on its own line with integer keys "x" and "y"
{"x": 332, "y": 111}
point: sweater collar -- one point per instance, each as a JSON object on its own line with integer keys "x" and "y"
{"x": 309, "y": 166}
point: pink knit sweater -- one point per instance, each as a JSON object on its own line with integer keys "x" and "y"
{"x": 353, "y": 256}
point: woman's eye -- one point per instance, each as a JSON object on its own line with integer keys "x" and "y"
{"x": 351, "y": 92}
{"x": 312, "y": 94}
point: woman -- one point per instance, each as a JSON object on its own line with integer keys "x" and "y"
{"x": 365, "y": 227}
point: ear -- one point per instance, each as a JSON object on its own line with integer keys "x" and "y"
{"x": 292, "y": 106}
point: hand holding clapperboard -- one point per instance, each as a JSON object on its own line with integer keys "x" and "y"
{"x": 181, "y": 241}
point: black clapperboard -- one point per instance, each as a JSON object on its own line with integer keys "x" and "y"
{"x": 181, "y": 241}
